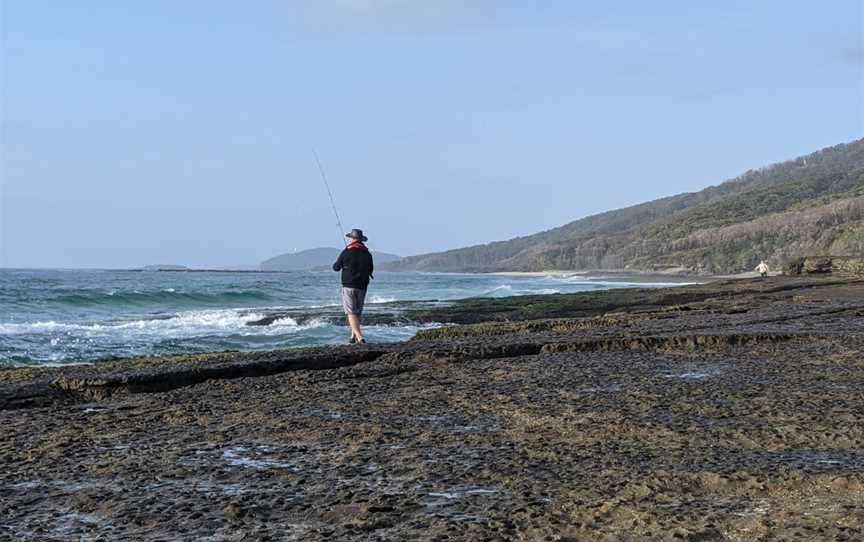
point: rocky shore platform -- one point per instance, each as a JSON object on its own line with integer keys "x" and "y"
{"x": 732, "y": 410}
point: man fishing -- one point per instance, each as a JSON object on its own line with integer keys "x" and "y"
{"x": 356, "y": 265}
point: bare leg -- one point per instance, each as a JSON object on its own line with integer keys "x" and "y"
{"x": 354, "y": 322}
{"x": 350, "y": 327}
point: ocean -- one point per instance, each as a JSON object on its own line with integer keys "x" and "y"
{"x": 63, "y": 317}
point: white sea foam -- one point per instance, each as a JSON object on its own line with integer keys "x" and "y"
{"x": 502, "y": 290}
{"x": 89, "y": 316}
{"x": 183, "y": 324}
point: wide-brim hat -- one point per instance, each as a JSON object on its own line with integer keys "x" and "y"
{"x": 358, "y": 235}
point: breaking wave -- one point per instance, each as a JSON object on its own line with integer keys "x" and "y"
{"x": 160, "y": 297}
{"x": 64, "y": 317}
{"x": 190, "y": 323}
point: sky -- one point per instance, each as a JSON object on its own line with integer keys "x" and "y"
{"x": 135, "y": 133}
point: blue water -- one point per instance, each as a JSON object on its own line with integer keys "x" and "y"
{"x": 58, "y": 317}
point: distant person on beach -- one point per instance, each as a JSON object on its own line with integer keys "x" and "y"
{"x": 355, "y": 262}
{"x": 762, "y": 268}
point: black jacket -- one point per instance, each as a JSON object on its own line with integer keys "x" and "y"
{"x": 355, "y": 262}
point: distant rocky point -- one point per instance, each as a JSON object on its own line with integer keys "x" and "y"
{"x": 162, "y": 267}
{"x": 313, "y": 258}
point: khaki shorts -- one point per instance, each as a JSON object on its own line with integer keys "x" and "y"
{"x": 353, "y": 299}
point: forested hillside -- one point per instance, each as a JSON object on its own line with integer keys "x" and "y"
{"x": 810, "y": 205}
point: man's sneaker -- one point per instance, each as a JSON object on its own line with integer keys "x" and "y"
{"x": 352, "y": 341}
{"x": 362, "y": 341}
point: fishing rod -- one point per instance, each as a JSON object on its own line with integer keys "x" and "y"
{"x": 332, "y": 201}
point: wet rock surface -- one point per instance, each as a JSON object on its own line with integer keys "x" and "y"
{"x": 385, "y": 313}
{"x": 734, "y": 415}
{"x": 838, "y": 265}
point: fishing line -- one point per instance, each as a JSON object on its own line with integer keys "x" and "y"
{"x": 332, "y": 201}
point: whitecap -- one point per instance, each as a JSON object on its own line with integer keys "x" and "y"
{"x": 182, "y": 324}
{"x": 502, "y": 290}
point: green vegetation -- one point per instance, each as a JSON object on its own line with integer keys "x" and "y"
{"x": 810, "y": 205}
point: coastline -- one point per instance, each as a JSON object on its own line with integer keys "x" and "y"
{"x": 682, "y": 411}
{"x": 681, "y": 274}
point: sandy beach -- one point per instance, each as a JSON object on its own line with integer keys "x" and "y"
{"x": 727, "y": 411}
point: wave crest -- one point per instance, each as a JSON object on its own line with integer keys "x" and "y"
{"x": 169, "y": 296}
{"x": 183, "y": 324}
